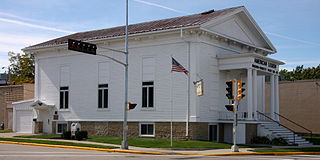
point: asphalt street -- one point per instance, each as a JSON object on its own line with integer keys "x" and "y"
{"x": 19, "y": 152}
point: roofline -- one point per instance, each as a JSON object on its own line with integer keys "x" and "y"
{"x": 236, "y": 40}
{"x": 251, "y": 54}
{"x": 259, "y": 29}
{"x": 26, "y": 49}
{"x": 23, "y": 101}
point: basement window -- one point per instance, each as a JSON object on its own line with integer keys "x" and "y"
{"x": 147, "y": 129}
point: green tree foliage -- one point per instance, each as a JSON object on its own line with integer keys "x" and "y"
{"x": 21, "y": 68}
{"x": 301, "y": 73}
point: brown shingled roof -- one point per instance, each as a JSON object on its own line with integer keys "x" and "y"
{"x": 164, "y": 24}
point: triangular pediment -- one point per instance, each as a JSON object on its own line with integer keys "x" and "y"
{"x": 240, "y": 26}
{"x": 232, "y": 28}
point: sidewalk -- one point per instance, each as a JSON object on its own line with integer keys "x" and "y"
{"x": 141, "y": 150}
{"x": 132, "y": 148}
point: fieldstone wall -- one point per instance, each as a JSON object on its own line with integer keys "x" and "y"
{"x": 109, "y": 128}
{"x": 54, "y": 129}
{"x": 197, "y": 131}
{"x": 38, "y": 126}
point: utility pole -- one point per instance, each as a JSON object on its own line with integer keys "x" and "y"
{"x": 124, "y": 143}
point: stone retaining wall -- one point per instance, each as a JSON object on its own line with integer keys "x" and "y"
{"x": 197, "y": 131}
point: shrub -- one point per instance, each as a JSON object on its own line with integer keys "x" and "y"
{"x": 66, "y": 135}
{"x": 80, "y": 135}
{"x": 279, "y": 141}
{"x": 260, "y": 140}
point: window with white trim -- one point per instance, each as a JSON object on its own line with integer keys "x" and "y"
{"x": 62, "y": 127}
{"x": 103, "y": 96}
{"x": 64, "y": 97}
{"x": 147, "y": 129}
{"x": 147, "y": 94}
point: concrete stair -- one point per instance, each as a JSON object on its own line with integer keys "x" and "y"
{"x": 279, "y": 131}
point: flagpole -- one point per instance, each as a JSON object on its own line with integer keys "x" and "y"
{"x": 171, "y": 74}
{"x": 188, "y": 109}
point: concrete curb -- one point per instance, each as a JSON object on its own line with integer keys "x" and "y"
{"x": 161, "y": 153}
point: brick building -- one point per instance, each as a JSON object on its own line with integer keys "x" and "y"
{"x": 9, "y": 94}
{"x": 299, "y": 102}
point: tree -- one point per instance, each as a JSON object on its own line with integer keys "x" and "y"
{"x": 21, "y": 68}
{"x": 300, "y": 73}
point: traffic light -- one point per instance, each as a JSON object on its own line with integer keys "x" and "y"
{"x": 131, "y": 105}
{"x": 84, "y": 47}
{"x": 229, "y": 90}
{"x": 240, "y": 90}
{"x": 230, "y": 107}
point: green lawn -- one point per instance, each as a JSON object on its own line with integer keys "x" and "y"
{"x": 160, "y": 143}
{"x": 42, "y": 136}
{"x": 150, "y": 142}
{"x": 314, "y": 149}
{"x": 56, "y": 143}
{"x": 5, "y": 131}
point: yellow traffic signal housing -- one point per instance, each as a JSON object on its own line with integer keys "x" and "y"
{"x": 240, "y": 90}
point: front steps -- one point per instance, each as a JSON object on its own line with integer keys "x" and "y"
{"x": 278, "y": 131}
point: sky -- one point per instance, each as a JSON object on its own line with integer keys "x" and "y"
{"x": 291, "y": 25}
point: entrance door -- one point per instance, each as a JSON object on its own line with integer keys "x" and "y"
{"x": 213, "y": 133}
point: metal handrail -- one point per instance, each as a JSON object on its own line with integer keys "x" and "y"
{"x": 295, "y": 124}
{"x": 294, "y": 137}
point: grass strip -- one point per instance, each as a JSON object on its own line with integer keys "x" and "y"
{"x": 315, "y": 139}
{"x": 152, "y": 142}
{"x": 57, "y": 143}
{"x": 310, "y": 149}
{"x": 165, "y": 143}
{"x": 5, "y": 131}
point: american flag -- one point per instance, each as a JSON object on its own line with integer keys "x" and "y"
{"x": 177, "y": 67}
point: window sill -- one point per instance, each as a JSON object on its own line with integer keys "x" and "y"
{"x": 64, "y": 110}
{"x": 104, "y": 109}
{"x": 148, "y": 109}
{"x": 150, "y": 136}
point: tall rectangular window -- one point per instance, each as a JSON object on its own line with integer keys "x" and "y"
{"x": 103, "y": 96}
{"x": 147, "y": 94}
{"x": 64, "y": 97}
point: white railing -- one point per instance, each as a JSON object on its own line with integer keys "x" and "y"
{"x": 242, "y": 116}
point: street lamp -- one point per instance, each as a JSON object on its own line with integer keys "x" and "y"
{"x": 124, "y": 143}
{"x": 89, "y": 48}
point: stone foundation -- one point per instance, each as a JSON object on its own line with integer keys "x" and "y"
{"x": 38, "y": 127}
{"x": 197, "y": 131}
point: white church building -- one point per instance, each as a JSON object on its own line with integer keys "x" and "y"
{"x": 214, "y": 46}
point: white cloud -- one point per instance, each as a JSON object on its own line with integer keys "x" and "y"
{"x": 34, "y": 25}
{"x": 161, "y": 6}
{"x": 18, "y": 17}
{"x": 23, "y": 40}
{"x": 293, "y": 39}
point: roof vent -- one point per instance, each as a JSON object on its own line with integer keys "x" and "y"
{"x": 207, "y": 12}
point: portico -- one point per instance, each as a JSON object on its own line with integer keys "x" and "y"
{"x": 252, "y": 68}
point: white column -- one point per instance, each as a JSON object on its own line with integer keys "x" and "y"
{"x": 263, "y": 94}
{"x": 276, "y": 97}
{"x": 272, "y": 96}
{"x": 249, "y": 92}
{"x": 255, "y": 92}
{"x": 36, "y": 79}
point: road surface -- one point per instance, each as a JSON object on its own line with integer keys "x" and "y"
{"x": 23, "y": 152}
